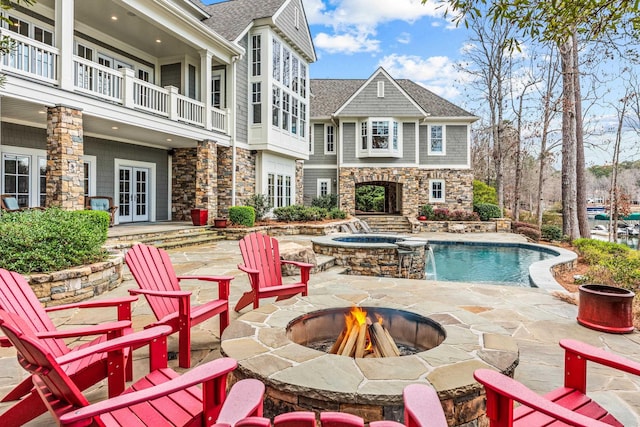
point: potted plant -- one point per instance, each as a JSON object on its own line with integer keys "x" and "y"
{"x": 220, "y": 222}
{"x": 606, "y": 308}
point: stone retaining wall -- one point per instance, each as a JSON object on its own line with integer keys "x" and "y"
{"x": 499, "y": 225}
{"x": 77, "y": 284}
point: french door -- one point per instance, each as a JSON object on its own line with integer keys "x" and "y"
{"x": 134, "y": 194}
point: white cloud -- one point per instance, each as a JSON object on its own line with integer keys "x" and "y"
{"x": 437, "y": 73}
{"x": 347, "y": 43}
{"x": 404, "y": 38}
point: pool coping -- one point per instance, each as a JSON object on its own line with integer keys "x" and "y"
{"x": 540, "y": 272}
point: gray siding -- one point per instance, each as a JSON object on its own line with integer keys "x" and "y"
{"x": 300, "y": 36}
{"x": 106, "y": 151}
{"x": 310, "y": 182}
{"x": 171, "y": 75}
{"x": 318, "y": 157}
{"x": 24, "y": 136}
{"x": 351, "y": 138}
{"x": 367, "y": 104}
{"x": 456, "y": 146}
{"x": 242, "y": 97}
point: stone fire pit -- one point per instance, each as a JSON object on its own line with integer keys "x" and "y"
{"x": 300, "y": 378}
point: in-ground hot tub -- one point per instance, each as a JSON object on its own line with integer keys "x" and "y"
{"x": 298, "y": 377}
{"x": 381, "y": 255}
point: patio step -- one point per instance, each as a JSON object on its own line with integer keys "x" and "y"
{"x": 387, "y": 223}
{"x": 179, "y": 238}
{"x": 324, "y": 262}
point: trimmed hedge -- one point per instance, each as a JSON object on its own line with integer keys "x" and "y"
{"x": 551, "y": 232}
{"x": 486, "y": 211}
{"x": 242, "y": 215}
{"x": 51, "y": 240}
{"x": 299, "y": 213}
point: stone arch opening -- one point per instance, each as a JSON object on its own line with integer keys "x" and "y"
{"x": 378, "y": 197}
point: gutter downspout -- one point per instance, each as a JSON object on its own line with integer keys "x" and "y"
{"x": 234, "y": 108}
{"x": 338, "y": 151}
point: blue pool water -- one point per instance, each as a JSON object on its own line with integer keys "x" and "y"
{"x": 485, "y": 263}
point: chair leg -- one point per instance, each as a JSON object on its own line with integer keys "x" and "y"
{"x": 184, "y": 347}
{"x": 18, "y": 391}
{"x": 245, "y": 300}
{"x": 25, "y": 410}
{"x": 224, "y": 321}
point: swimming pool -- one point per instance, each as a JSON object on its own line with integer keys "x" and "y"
{"x": 491, "y": 263}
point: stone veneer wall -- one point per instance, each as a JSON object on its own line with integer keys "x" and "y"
{"x": 299, "y": 183}
{"x": 207, "y": 178}
{"x": 245, "y": 177}
{"x": 77, "y": 284}
{"x": 415, "y": 187}
{"x": 65, "y": 147}
{"x": 183, "y": 185}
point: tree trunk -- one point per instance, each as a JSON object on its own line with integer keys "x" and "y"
{"x": 581, "y": 184}
{"x": 569, "y": 190}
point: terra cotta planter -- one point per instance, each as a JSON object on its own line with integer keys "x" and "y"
{"x": 606, "y": 308}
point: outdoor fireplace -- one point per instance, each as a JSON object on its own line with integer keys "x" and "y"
{"x": 284, "y": 345}
{"x": 366, "y": 332}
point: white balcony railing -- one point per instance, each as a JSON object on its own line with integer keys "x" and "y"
{"x": 39, "y": 61}
{"x": 31, "y": 58}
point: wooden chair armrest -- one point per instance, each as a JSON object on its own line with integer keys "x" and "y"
{"x": 133, "y": 340}
{"x": 207, "y": 278}
{"x": 4, "y": 342}
{"x": 422, "y": 406}
{"x": 111, "y": 328}
{"x": 248, "y": 270}
{"x": 111, "y": 302}
{"x": 600, "y": 356}
{"x": 167, "y": 294}
{"x": 216, "y": 369}
{"x": 502, "y": 391}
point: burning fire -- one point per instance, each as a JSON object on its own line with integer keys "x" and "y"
{"x": 363, "y": 338}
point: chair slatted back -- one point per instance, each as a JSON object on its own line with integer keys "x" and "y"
{"x": 35, "y": 358}
{"x": 261, "y": 252}
{"x": 16, "y": 296}
{"x": 152, "y": 270}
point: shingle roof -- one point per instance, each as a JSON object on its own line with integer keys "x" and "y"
{"x": 328, "y": 95}
{"x": 230, "y": 18}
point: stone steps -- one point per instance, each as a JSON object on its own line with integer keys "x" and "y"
{"x": 166, "y": 239}
{"x": 387, "y": 223}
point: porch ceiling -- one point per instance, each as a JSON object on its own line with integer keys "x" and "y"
{"x": 21, "y": 112}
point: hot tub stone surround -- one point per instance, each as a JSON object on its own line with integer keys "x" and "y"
{"x": 300, "y": 378}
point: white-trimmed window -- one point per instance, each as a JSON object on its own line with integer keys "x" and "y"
{"x": 329, "y": 139}
{"x": 256, "y": 55}
{"x": 436, "y": 140}
{"x": 311, "y": 142}
{"x": 276, "y": 106}
{"x": 324, "y": 187}
{"x": 380, "y": 89}
{"x": 436, "y": 191}
{"x": 294, "y": 116}
{"x": 279, "y": 190}
{"x": 380, "y": 137}
{"x": 256, "y": 102}
{"x": 276, "y": 60}
{"x": 285, "y": 110}
{"x": 303, "y": 119}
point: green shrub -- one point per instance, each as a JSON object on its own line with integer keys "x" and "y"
{"x": 486, "y": 211}
{"x": 242, "y": 215}
{"x": 299, "y": 213}
{"x": 51, "y": 240}
{"x": 610, "y": 263}
{"x": 328, "y": 201}
{"x": 427, "y": 210}
{"x": 551, "y": 232}
{"x": 261, "y": 204}
{"x": 336, "y": 213}
{"x": 483, "y": 193}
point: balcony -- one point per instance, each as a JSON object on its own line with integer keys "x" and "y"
{"x": 39, "y": 61}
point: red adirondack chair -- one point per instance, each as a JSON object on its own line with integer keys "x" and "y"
{"x": 16, "y": 296}
{"x": 569, "y": 405}
{"x": 163, "y": 397}
{"x": 261, "y": 256}
{"x": 422, "y": 408}
{"x": 158, "y": 282}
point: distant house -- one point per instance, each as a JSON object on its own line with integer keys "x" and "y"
{"x": 390, "y": 133}
{"x": 164, "y": 105}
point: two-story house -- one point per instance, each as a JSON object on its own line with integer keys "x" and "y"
{"x": 390, "y": 133}
{"x": 165, "y": 106}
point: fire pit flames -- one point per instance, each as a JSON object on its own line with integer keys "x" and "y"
{"x": 364, "y": 337}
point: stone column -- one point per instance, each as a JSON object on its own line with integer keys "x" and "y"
{"x": 225, "y": 177}
{"x": 183, "y": 184}
{"x": 65, "y": 147}
{"x": 207, "y": 178}
{"x": 299, "y": 182}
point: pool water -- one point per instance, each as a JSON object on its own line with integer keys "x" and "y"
{"x": 485, "y": 263}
